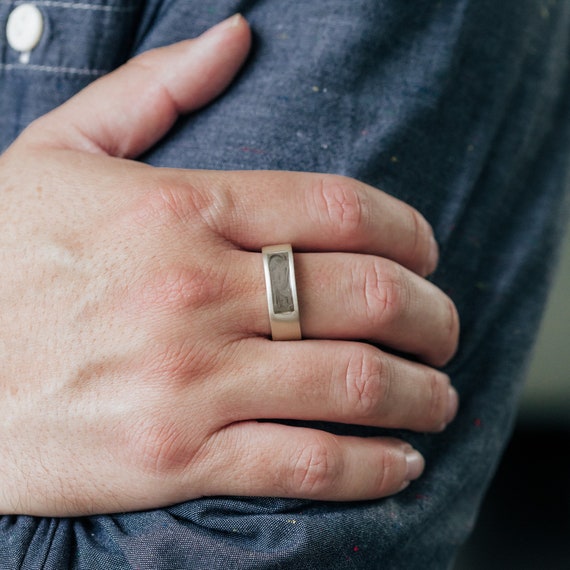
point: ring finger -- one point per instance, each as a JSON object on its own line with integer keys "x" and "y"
{"x": 363, "y": 297}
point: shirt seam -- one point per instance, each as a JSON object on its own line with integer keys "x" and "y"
{"x": 51, "y": 69}
{"x": 77, "y": 5}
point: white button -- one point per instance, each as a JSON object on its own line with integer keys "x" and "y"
{"x": 24, "y": 28}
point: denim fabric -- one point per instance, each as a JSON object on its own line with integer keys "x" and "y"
{"x": 458, "y": 107}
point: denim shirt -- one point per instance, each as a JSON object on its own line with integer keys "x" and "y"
{"x": 458, "y": 107}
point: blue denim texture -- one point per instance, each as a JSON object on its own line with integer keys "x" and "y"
{"x": 458, "y": 107}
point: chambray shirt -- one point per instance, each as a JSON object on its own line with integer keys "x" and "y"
{"x": 458, "y": 107}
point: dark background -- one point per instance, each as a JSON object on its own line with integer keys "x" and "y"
{"x": 525, "y": 520}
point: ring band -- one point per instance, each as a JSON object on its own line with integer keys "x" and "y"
{"x": 281, "y": 292}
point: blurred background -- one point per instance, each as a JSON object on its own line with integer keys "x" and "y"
{"x": 524, "y": 523}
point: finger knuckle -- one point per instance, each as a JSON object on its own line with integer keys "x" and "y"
{"x": 173, "y": 202}
{"x": 171, "y": 366}
{"x": 315, "y": 469}
{"x": 449, "y": 344}
{"x": 454, "y": 328}
{"x": 158, "y": 446}
{"x": 390, "y": 473}
{"x": 345, "y": 210}
{"x": 157, "y": 94}
{"x": 420, "y": 240}
{"x": 418, "y": 229}
{"x": 436, "y": 386}
{"x": 163, "y": 205}
{"x": 383, "y": 292}
{"x": 367, "y": 383}
{"x": 176, "y": 289}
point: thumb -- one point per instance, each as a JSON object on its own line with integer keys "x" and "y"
{"x": 127, "y": 111}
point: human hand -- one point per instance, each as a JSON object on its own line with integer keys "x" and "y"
{"x": 134, "y": 328}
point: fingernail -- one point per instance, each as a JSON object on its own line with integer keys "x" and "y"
{"x": 414, "y": 464}
{"x": 433, "y": 256}
{"x": 231, "y": 22}
{"x": 452, "y": 404}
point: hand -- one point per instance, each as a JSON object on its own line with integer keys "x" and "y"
{"x": 133, "y": 320}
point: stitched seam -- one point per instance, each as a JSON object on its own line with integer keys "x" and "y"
{"x": 78, "y": 6}
{"x": 51, "y": 69}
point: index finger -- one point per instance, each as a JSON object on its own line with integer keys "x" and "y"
{"x": 315, "y": 212}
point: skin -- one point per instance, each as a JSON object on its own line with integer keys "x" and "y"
{"x": 133, "y": 321}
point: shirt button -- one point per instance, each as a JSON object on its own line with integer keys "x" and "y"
{"x": 24, "y": 28}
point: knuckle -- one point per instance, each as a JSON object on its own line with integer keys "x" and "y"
{"x": 420, "y": 241}
{"x": 158, "y": 447}
{"x": 454, "y": 327}
{"x": 175, "y": 364}
{"x": 450, "y": 340}
{"x": 315, "y": 469}
{"x": 157, "y": 94}
{"x": 177, "y": 289}
{"x": 145, "y": 60}
{"x": 383, "y": 291}
{"x": 390, "y": 473}
{"x": 216, "y": 206}
{"x": 161, "y": 206}
{"x": 172, "y": 202}
{"x": 367, "y": 383}
{"x": 417, "y": 225}
{"x": 344, "y": 207}
{"x": 436, "y": 386}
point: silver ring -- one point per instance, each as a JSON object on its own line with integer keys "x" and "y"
{"x": 281, "y": 290}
